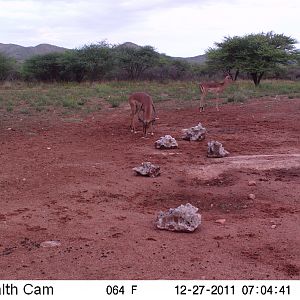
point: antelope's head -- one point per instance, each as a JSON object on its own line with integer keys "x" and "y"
{"x": 146, "y": 125}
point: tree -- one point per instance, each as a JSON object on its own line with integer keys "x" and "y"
{"x": 255, "y": 54}
{"x": 72, "y": 66}
{"x": 7, "y": 67}
{"x": 179, "y": 69}
{"x": 97, "y": 60}
{"x": 43, "y": 67}
{"x": 91, "y": 62}
{"x": 225, "y": 56}
{"x": 161, "y": 70}
{"x": 136, "y": 60}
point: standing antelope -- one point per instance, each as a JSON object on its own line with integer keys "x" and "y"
{"x": 215, "y": 88}
{"x": 142, "y": 103}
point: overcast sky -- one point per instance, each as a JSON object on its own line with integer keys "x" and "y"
{"x": 178, "y": 28}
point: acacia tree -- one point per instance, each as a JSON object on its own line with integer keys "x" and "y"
{"x": 43, "y": 67}
{"x": 72, "y": 66}
{"x": 255, "y": 54}
{"x": 224, "y": 57}
{"x": 97, "y": 60}
{"x": 136, "y": 60}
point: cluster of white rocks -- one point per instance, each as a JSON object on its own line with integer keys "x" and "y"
{"x": 184, "y": 218}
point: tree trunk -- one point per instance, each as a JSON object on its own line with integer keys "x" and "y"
{"x": 255, "y": 78}
{"x": 260, "y": 77}
{"x": 236, "y": 74}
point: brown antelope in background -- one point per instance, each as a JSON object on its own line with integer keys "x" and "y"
{"x": 142, "y": 106}
{"x": 214, "y": 87}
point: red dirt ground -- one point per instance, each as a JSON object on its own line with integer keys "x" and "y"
{"x": 71, "y": 180}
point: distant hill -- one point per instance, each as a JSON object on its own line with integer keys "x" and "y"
{"x": 129, "y": 45}
{"x": 199, "y": 59}
{"x": 21, "y": 53}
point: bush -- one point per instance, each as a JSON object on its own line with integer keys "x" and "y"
{"x": 7, "y": 67}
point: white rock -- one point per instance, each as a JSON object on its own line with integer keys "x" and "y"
{"x": 251, "y": 182}
{"x": 215, "y": 150}
{"x": 251, "y": 196}
{"x": 166, "y": 142}
{"x": 196, "y": 133}
{"x": 147, "y": 169}
{"x": 48, "y": 244}
{"x": 184, "y": 218}
{"x": 221, "y": 221}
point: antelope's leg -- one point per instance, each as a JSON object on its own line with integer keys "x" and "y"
{"x": 134, "y": 115}
{"x": 132, "y": 127}
{"x": 217, "y": 102}
{"x": 151, "y": 127}
{"x": 201, "y": 108}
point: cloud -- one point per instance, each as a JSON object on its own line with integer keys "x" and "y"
{"x": 175, "y": 27}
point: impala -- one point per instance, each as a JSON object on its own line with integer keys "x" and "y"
{"x": 214, "y": 87}
{"x": 142, "y": 107}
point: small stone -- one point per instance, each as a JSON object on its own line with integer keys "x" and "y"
{"x": 184, "y": 218}
{"x": 251, "y": 196}
{"x": 147, "y": 169}
{"x": 220, "y": 221}
{"x": 48, "y": 244}
{"x": 273, "y": 226}
{"x": 48, "y": 148}
{"x": 251, "y": 182}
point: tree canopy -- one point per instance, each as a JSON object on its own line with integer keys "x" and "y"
{"x": 135, "y": 61}
{"x": 254, "y": 54}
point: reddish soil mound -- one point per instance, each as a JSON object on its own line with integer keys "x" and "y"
{"x": 71, "y": 181}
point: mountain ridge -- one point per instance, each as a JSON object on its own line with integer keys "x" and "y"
{"x": 21, "y": 53}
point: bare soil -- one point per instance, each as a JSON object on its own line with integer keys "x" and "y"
{"x": 70, "y": 180}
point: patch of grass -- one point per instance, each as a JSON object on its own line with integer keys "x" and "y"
{"x": 267, "y": 88}
{"x": 70, "y": 102}
{"x": 26, "y": 111}
{"x": 9, "y": 106}
{"x": 115, "y": 101}
{"x": 84, "y": 97}
{"x": 237, "y": 96}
